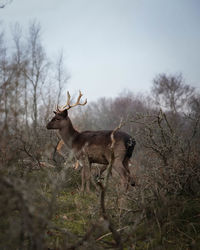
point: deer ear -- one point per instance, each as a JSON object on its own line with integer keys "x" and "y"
{"x": 64, "y": 113}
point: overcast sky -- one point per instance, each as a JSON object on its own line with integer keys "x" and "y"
{"x": 112, "y": 45}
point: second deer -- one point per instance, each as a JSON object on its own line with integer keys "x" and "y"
{"x": 90, "y": 147}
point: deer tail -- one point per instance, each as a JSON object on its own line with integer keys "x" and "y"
{"x": 130, "y": 144}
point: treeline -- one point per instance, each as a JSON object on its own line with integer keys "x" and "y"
{"x": 30, "y": 86}
{"x": 38, "y": 185}
{"x": 31, "y": 83}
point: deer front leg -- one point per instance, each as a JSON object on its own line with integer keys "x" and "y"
{"x": 85, "y": 174}
{"x": 88, "y": 177}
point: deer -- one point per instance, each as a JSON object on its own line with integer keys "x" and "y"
{"x": 90, "y": 147}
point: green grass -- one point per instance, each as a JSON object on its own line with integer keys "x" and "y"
{"x": 171, "y": 223}
{"x": 177, "y": 228}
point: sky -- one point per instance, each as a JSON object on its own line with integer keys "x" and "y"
{"x": 113, "y": 45}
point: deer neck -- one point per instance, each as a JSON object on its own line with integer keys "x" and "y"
{"x": 68, "y": 133}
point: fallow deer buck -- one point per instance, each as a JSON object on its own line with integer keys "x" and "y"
{"x": 94, "y": 146}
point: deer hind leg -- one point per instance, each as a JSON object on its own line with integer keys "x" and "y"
{"x": 132, "y": 180}
{"x": 123, "y": 173}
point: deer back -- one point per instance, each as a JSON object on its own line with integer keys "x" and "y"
{"x": 97, "y": 145}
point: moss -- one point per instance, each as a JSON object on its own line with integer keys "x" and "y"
{"x": 73, "y": 212}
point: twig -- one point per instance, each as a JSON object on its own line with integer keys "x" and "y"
{"x": 115, "y": 234}
{"x": 118, "y": 230}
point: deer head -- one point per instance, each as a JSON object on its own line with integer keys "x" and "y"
{"x": 61, "y": 119}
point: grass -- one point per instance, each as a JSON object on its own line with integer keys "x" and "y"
{"x": 171, "y": 223}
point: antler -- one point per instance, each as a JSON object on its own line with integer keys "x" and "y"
{"x": 68, "y": 105}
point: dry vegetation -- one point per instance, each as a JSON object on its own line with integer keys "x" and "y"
{"x": 41, "y": 203}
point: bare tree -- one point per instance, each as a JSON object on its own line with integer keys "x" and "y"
{"x": 3, "y": 3}
{"x": 61, "y": 75}
{"x": 7, "y": 72}
{"x": 36, "y": 68}
{"x": 170, "y": 92}
{"x": 18, "y": 64}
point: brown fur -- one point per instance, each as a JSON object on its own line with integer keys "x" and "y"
{"x": 94, "y": 147}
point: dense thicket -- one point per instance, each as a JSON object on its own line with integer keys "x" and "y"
{"x": 41, "y": 204}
